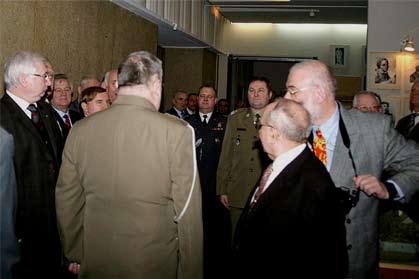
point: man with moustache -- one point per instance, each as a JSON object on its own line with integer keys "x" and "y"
{"x": 356, "y": 148}
{"x": 242, "y": 158}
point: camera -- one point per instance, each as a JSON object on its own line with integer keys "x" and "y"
{"x": 347, "y": 197}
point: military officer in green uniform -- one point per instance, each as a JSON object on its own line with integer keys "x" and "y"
{"x": 242, "y": 158}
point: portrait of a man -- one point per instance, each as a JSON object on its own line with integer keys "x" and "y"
{"x": 384, "y": 72}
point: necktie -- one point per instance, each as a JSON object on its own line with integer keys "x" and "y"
{"x": 319, "y": 147}
{"x": 67, "y": 121}
{"x": 182, "y": 114}
{"x": 266, "y": 173}
{"x": 204, "y": 122}
{"x": 256, "y": 120}
{"x": 34, "y": 114}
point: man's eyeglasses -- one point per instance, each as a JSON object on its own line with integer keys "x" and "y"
{"x": 260, "y": 125}
{"x": 294, "y": 90}
{"x": 372, "y": 108}
{"x": 45, "y": 76}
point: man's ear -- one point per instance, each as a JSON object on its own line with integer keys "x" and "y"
{"x": 23, "y": 80}
{"x": 85, "y": 109}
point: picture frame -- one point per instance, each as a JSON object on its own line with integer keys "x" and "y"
{"x": 412, "y": 71}
{"x": 384, "y": 70}
{"x": 339, "y": 55}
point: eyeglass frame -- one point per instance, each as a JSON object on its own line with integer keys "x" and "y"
{"x": 45, "y": 76}
{"x": 293, "y": 92}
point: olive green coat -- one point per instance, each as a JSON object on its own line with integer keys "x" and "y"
{"x": 240, "y": 164}
{"x": 127, "y": 174}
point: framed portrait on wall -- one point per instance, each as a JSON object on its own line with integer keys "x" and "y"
{"x": 339, "y": 56}
{"x": 383, "y": 70}
{"x": 412, "y": 71}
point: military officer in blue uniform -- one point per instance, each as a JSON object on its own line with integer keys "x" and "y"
{"x": 242, "y": 158}
{"x": 209, "y": 128}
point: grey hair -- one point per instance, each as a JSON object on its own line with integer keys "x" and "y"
{"x": 320, "y": 75}
{"x": 22, "y": 62}
{"x": 291, "y": 119}
{"x": 368, "y": 93}
{"x": 63, "y": 77}
{"x": 138, "y": 68}
{"x": 84, "y": 79}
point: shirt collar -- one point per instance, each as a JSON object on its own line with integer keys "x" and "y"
{"x": 284, "y": 159}
{"x": 202, "y": 115}
{"x": 330, "y": 126}
{"x": 22, "y": 103}
{"x": 61, "y": 113}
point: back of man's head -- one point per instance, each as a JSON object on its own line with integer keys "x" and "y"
{"x": 138, "y": 69}
{"x": 291, "y": 119}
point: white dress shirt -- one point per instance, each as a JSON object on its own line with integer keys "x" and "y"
{"x": 23, "y": 104}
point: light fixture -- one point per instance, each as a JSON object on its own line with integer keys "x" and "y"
{"x": 408, "y": 43}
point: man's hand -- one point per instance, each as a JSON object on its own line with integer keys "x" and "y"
{"x": 74, "y": 268}
{"x": 224, "y": 201}
{"x": 371, "y": 186}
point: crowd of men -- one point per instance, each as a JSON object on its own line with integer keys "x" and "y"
{"x": 196, "y": 192}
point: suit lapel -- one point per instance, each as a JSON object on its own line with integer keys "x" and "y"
{"x": 21, "y": 116}
{"x": 341, "y": 160}
{"x": 48, "y": 120}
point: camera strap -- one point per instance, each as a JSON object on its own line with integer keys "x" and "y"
{"x": 346, "y": 140}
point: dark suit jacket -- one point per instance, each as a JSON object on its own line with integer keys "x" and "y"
{"x": 296, "y": 227}
{"x": 403, "y": 126}
{"x": 172, "y": 111}
{"x": 208, "y": 141}
{"x": 74, "y": 116}
{"x": 36, "y": 170}
{"x": 9, "y": 251}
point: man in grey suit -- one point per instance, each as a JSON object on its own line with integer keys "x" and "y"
{"x": 9, "y": 253}
{"x": 374, "y": 146}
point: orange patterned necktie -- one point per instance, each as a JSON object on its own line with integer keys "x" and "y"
{"x": 319, "y": 147}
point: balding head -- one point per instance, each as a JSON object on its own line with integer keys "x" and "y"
{"x": 284, "y": 125}
{"x": 312, "y": 84}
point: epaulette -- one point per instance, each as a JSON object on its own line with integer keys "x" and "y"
{"x": 237, "y": 111}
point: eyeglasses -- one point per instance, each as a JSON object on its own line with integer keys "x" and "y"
{"x": 45, "y": 76}
{"x": 371, "y": 109}
{"x": 260, "y": 125}
{"x": 65, "y": 90}
{"x": 294, "y": 90}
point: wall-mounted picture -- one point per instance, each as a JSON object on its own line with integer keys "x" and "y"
{"x": 383, "y": 70}
{"x": 413, "y": 70}
{"x": 339, "y": 56}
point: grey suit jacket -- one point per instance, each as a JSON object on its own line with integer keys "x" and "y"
{"x": 375, "y": 146}
{"x": 9, "y": 253}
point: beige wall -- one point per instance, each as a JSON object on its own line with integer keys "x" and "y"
{"x": 187, "y": 69}
{"x": 78, "y": 37}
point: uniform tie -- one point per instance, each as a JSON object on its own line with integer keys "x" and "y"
{"x": 67, "y": 121}
{"x": 266, "y": 173}
{"x": 319, "y": 147}
{"x": 204, "y": 122}
{"x": 256, "y": 120}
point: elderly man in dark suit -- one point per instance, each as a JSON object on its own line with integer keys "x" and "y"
{"x": 38, "y": 147}
{"x": 293, "y": 215}
{"x": 374, "y": 147}
{"x": 180, "y": 101}
{"x": 408, "y": 126}
{"x": 9, "y": 251}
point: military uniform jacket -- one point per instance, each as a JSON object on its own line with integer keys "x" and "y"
{"x": 208, "y": 142}
{"x": 242, "y": 158}
{"x": 126, "y": 178}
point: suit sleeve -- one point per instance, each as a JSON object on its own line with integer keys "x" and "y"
{"x": 9, "y": 251}
{"x": 401, "y": 159}
{"x": 70, "y": 202}
{"x": 224, "y": 164}
{"x": 186, "y": 193}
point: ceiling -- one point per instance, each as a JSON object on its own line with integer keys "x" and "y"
{"x": 294, "y": 11}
